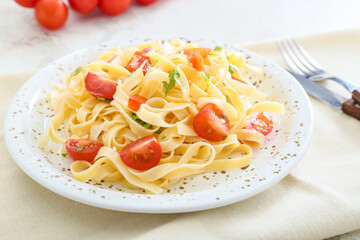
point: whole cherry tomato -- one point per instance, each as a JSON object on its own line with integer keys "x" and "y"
{"x": 146, "y": 2}
{"x": 143, "y": 154}
{"x": 99, "y": 86}
{"x": 211, "y": 123}
{"x": 51, "y": 14}
{"x": 83, "y": 6}
{"x": 82, "y": 149}
{"x": 260, "y": 123}
{"x": 26, "y": 3}
{"x": 113, "y": 7}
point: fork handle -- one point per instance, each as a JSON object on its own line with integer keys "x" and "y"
{"x": 351, "y": 108}
{"x": 349, "y": 86}
{"x": 356, "y": 95}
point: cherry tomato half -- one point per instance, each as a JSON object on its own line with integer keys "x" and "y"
{"x": 26, "y": 3}
{"x": 211, "y": 123}
{"x": 260, "y": 123}
{"x": 143, "y": 154}
{"x": 83, "y": 6}
{"x": 135, "y": 102}
{"x": 99, "y": 86}
{"x": 146, "y": 2}
{"x": 51, "y": 14}
{"x": 113, "y": 7}
{"x": 137, "y": 59}
{"x": 82, "y": 149}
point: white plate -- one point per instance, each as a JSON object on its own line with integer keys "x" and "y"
{"x": 283, "y": 148}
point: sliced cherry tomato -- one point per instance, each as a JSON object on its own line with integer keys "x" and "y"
{"x": 260, "y": 123}
{"x": 113, "y": 7}
{"x": 143, "y": 154}
{"x": 135, "y": 102}
{"x": 82, "y": 149}
{"x": 99, "y": 86}
{"x": 51, "y": 14}
{"x": 146, "y": 2}
{"x": 83, "y": 6}
{"x": 204, "y": 52}
{"x": 137, "y": 59}
{"x": 26, "y": 3}
{"x": 238, "y": 79}
{"x": 211, "y": 123}
{"x": 196, "y": 56}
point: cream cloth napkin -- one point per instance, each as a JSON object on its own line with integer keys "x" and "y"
{"x": 320, "y": 198}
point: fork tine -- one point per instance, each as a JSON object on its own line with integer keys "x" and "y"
{"x": 285, "y": 52}
{"x": 295, "y": 58}
{"x": 302, "y": 61}
{"x": 308, "y": 60}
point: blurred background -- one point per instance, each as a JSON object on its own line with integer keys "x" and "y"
{"x": 26, "y": 46}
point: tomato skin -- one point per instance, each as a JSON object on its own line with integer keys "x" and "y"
{"x": 99, "y": 86}
{"x": 146, "y": 2}
{"x": 137, "y": 59}
{"x": 135, "y": 102}
{"x": 260, "y": 123}
{"x": 26, "y": 3}
{"x": 82, "y": 149}
{"x": 238, "y": 79}
{"x": 83, "y": 6}
{"x": 211, "y": 123}
{"x": 113, "y": 7}
{"x": 142, "y": 154}
{"x": 51, "y": 14}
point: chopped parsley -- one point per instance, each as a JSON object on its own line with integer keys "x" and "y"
{"x": 206, "y": 76}
{"x": 79, "y": 149}
{"x": 175, "y": 59}
{"x": 174, "y": 77}
{"x": 135, "y": 117}
{"x": 233, "y": 69}
{"x": 163, "y": 137}
{"x": 224, "y": 137}
{"x": 64, "y": 154}
{"x": 154, "y": 63}
{"x": 76, "y": 71}
{"x": 218, "y": 48}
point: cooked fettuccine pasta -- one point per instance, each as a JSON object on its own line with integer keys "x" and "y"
{"x": 149, "y": 115}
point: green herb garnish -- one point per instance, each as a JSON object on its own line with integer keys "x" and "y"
{"x": 159, "y": 130}
{"x": 174, "y": 77}
{"x": 117, "y": 135}
{"x": 218, "y": 48}
{"x": 135, "y": 117}
{"x": 233, "y": 69}
{"x": 79, "y": 149}
{"x": 175, "y": 59}
{"x": 128, "y": 187}
{"x": 64, "y": 154}
{"x": 154, "y": 63}
{"x": 224, "y": 137}
{"x": 103, "y": 99}
{"x": 76, "y": 71}
{"x": 206, "y": 76}
{"x": 163, "y": 137}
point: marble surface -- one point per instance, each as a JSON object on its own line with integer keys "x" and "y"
{"x": 24, "y": 45}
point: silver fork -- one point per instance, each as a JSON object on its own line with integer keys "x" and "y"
{"x": 301, "y": 63}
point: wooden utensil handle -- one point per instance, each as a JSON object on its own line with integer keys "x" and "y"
{"x": 356, "y": 95}
{"x": 351, "y": 108}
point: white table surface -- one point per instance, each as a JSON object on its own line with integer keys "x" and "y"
{"x": 24, "y": 44}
